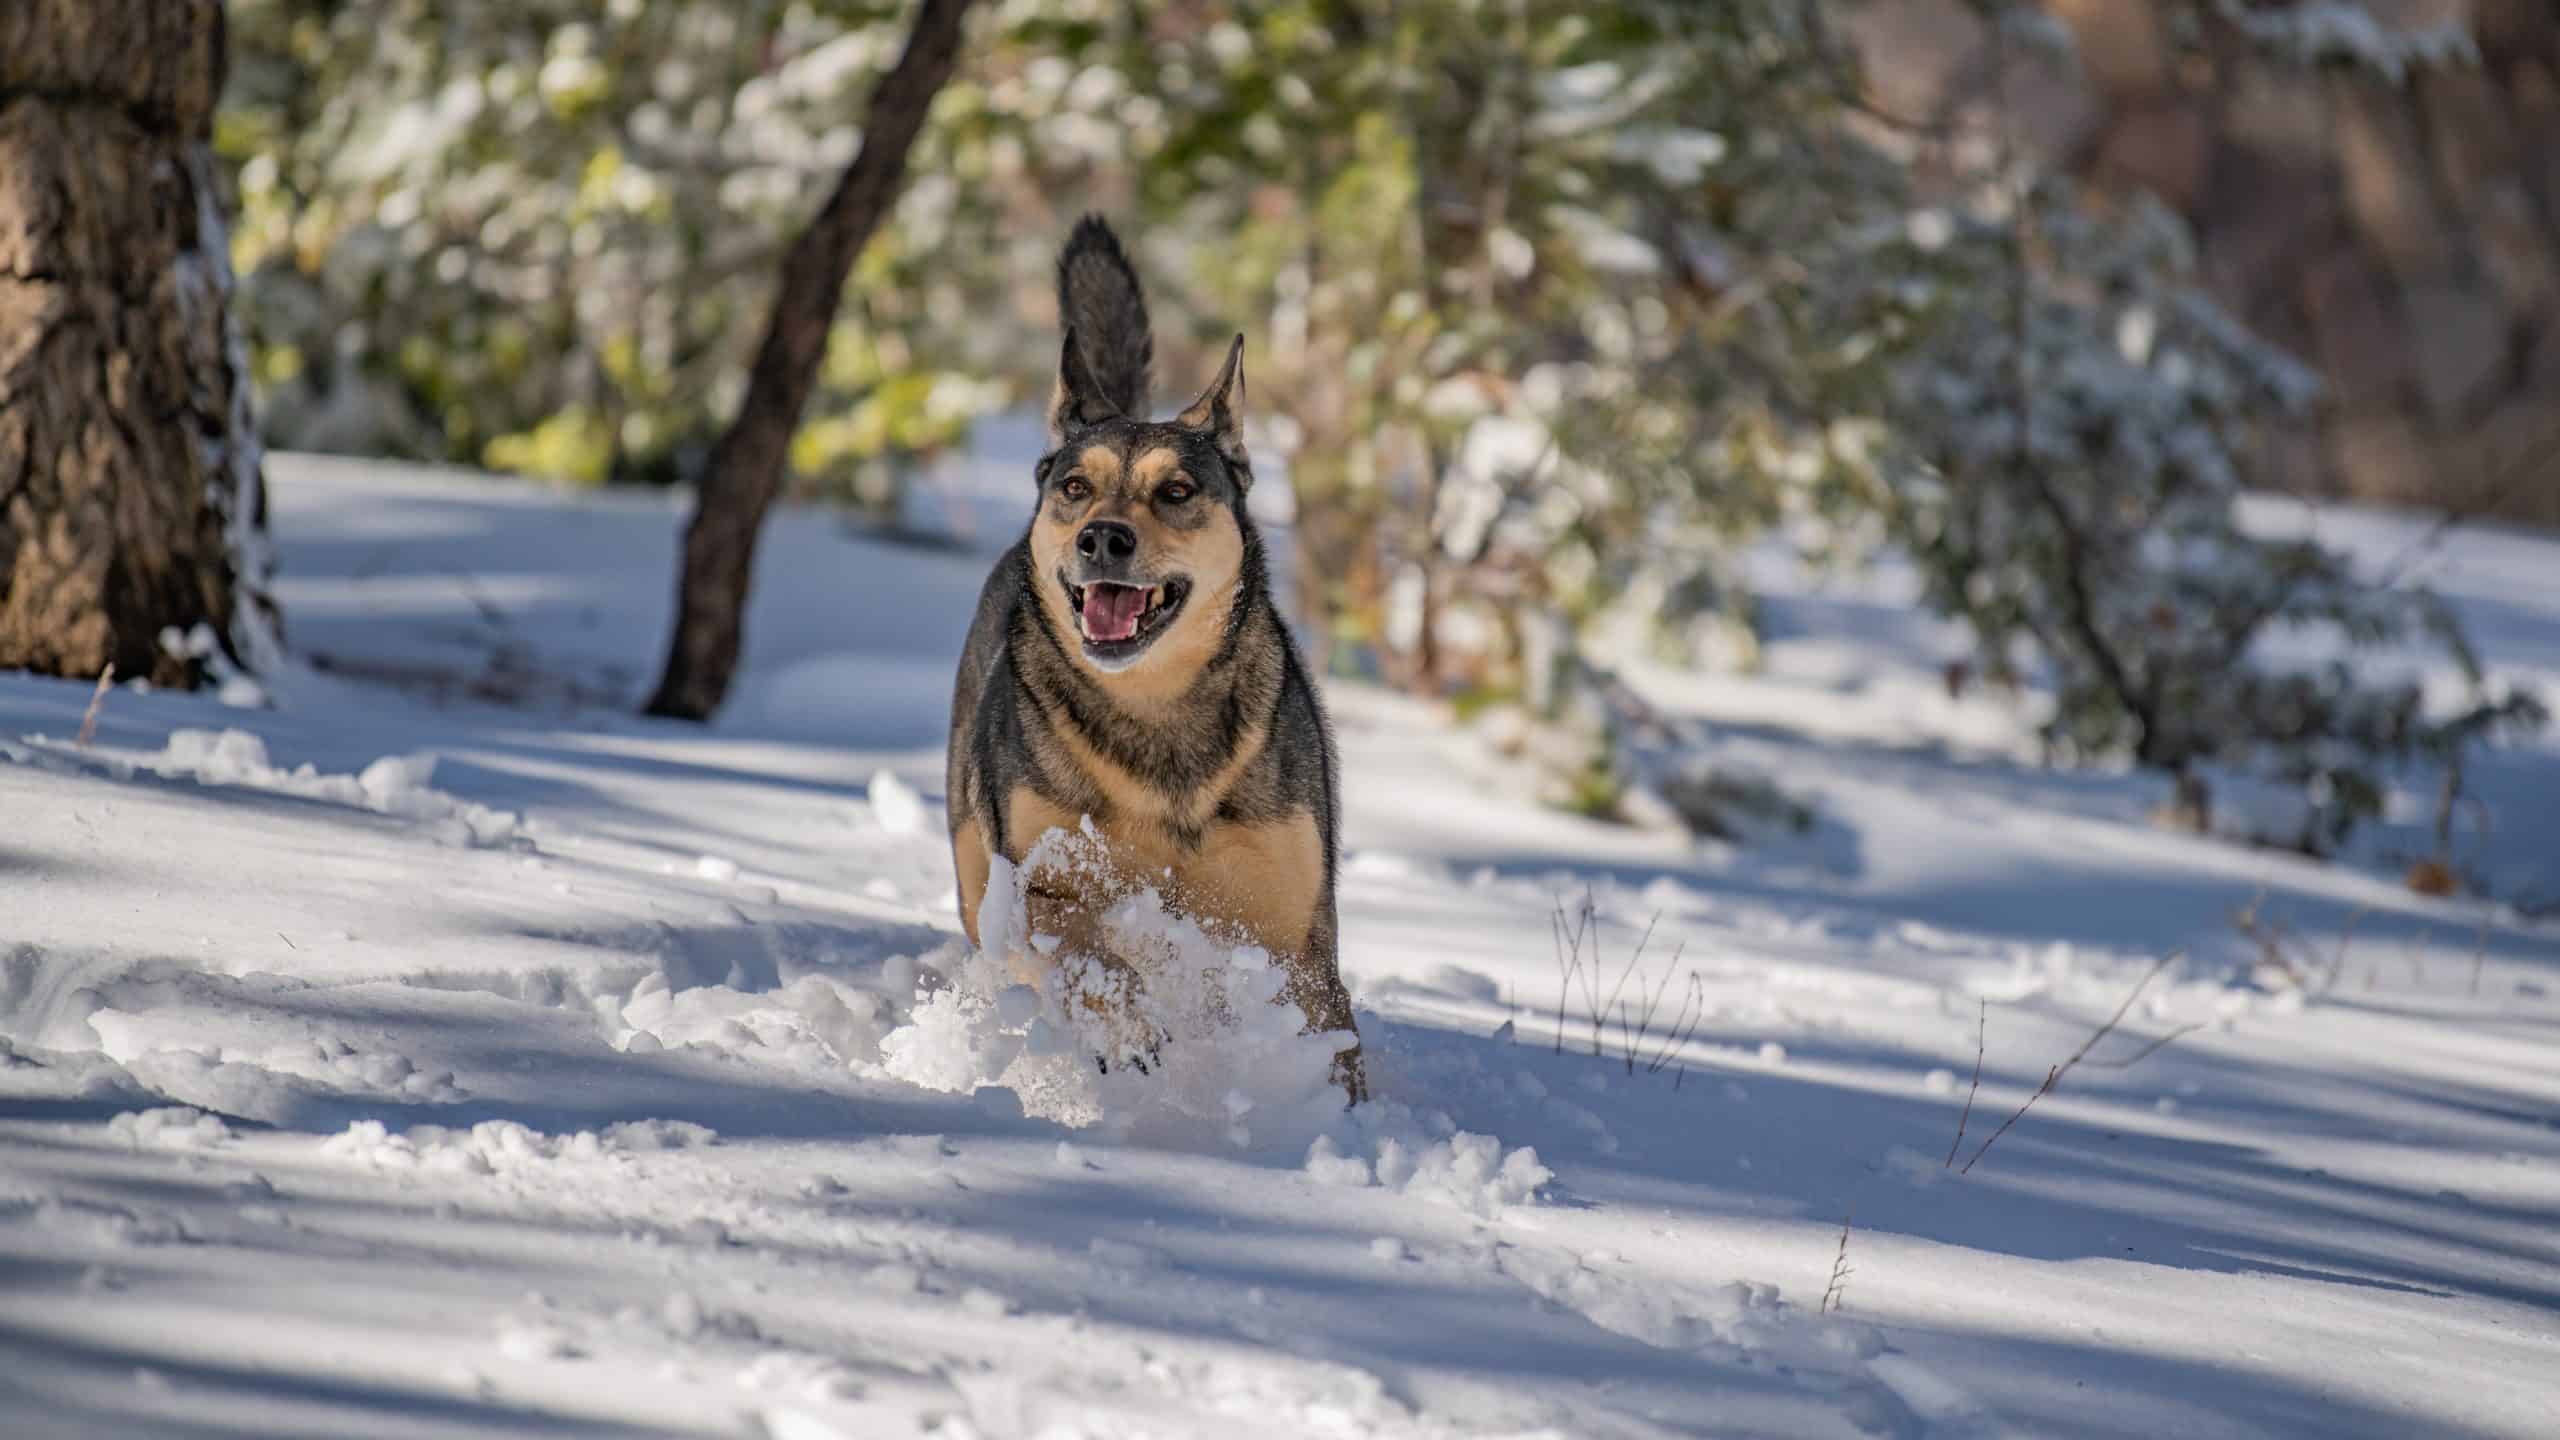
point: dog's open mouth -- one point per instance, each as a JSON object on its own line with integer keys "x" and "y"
{"x": 1117, "y": 621}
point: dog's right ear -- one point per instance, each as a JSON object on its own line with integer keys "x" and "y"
{"x": 1078, "y": 403}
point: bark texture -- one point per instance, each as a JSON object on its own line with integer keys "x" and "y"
{"x": 2402, "y": 236}
{"x": 129, "y": 493}
{"x": 745, "y": 469}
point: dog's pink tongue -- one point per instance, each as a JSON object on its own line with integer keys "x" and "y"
{"x": 1111, "y": 611}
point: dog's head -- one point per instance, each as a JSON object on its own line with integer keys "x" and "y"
{"x": 1141, "y": 548}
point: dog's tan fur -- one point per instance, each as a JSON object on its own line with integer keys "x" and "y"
{"x": 1209, "y": 550}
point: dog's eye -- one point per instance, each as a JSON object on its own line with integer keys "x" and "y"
{"x": 1076, "y": 487}
{"x": 1178, "y": 492}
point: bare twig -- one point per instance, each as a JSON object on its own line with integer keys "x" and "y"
{"x": 2146, "y": 1052}
{"x": 1591, "y": 977}
{"x": 1568, "y": 961}
{"x": 2479, "y": 955}
{"x": 1636, "y": 1015}
{"x": 97, "y": 701}
{"x": 1684, "y": 1025}
{"x": 2053, "y": 1077}
{"x": 1981, "y": 1041}
{"x": 1834, "y": 1293}
{"x": 1632, "y": 1036}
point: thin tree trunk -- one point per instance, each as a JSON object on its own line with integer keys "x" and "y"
{"x": 130, "y": 501}
{"x": 744, "y": 471}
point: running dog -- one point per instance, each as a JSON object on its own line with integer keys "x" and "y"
{"x": 1128, "y": 680}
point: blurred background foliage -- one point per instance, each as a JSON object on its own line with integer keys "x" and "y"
{"x": 1553, "y": 307}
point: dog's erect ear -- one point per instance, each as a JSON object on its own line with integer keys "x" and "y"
{"x": 1220, "y": 412}
{"x": 1099, "y": 298}
{"x": 1077, "y": 404}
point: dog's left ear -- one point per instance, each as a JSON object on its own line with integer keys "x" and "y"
{"x": 1078, "y": 403}
{"x": 1220, "y": 412}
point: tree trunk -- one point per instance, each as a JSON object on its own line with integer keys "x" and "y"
{"x": 744, "y": 471}
{"x": 130, "y": 501}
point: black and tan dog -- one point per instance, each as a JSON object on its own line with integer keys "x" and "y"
{"x": 1127, "y": 666}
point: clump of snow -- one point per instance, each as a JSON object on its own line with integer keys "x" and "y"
{"x": 533, "y": 1342}
{"x": 394, "y": 785}
{"x": 496, "y": 1146}
{"x": 659, "y": 1135}
{"x": 1740, "y": 1316}
{"x": 1196, "y": 1047}
{"x": 1389, "y": 1146}
{"x": 231, "y": 685}
{"x": 895, "y": 804}
{"x": 986, "y": 1304}
{"x": 174, "y": 1126}
{"x": 797, "y": 1372}
{"x": 1328, "y": 1165}
{"x": 818, "y": 1017}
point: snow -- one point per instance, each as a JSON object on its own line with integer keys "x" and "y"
{"x": 396, "y": 1062}
{"x": 2310, "y": 31}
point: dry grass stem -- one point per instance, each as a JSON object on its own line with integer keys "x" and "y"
{"x": 97, "y": 702}
{"x": 2053, "y": 1077}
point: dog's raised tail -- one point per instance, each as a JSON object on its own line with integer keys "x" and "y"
{"x": 1101, "y": 304}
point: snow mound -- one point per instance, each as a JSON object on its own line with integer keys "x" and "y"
{"x": 821, "y": 1020}
{"x": 498, "y": 1146}
{"x": 178, "y": 1127}
{"x": 895, "y": 804}
{"x": 1740, "y": 1321}
{"x": 1389, "y": 1146}
{"x": 395, "y": 785}
{"x": 1196, "y": 1047}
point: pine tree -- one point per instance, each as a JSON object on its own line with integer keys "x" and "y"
{"x": 131, "y": 515}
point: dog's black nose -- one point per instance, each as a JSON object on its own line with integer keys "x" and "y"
{"x": 1106, "y": 542}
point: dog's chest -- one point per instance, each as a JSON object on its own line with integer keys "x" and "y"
{"x": 1261, "y": 880}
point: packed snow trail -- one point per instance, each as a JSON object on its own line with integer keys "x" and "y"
{"x": 391, "y": 1062}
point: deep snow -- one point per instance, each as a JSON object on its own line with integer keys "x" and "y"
{"x": 394, "y": 1062}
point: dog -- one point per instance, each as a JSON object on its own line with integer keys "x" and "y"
{"x": 1128, "y": 680}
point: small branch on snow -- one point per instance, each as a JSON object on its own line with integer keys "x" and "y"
{"x": 1981, "y": 1041}
{"x": 2053, "y": 1077}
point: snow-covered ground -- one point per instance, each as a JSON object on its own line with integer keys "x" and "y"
{"x": 396, "y": 1062}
